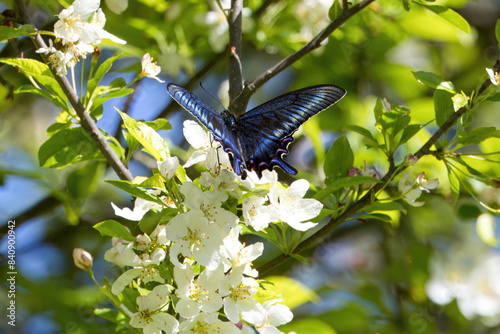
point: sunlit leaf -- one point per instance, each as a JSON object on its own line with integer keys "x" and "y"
{"x": 339, "y": 159}
{"x": 67, "y": 147}
{"x": 449, "y": 15}
{"x": 293, "y": 292}
{"x": 443, "y": 106}
{"x": 112, "y": 228}
{"x": 7, "y": 33}
{"x": 135, "y": 190}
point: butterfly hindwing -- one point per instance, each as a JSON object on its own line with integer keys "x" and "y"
{"x": 266, "y": 130}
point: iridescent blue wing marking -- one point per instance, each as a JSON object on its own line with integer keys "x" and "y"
{"x": 266, "y": 130}
{"x": 199, "y": 109}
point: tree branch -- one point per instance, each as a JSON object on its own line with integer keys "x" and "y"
{"x": 315, "y": 43}
{"x": 320, "y": 235}
{"x": 86, "y": 120}
{"x": 235, "y": 68}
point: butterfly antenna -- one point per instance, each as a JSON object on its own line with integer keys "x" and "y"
{"x": 213, "y": 97}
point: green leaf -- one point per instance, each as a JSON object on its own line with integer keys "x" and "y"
{"x": 159, "y": 124}
{"x": 409, "y": 132}
{"x": 428, "y": 79}
{"x": 67, "y": 147}
{"x": 7, "y": 33}
{"x": 378, "y": 112}
{"x": 339, "y": 159}
{"x": 485, "y": 227}
{"x": 38, "y": 70}
{"x": 99, "y": 74}
{"x": 154, "y": 218}
{"x": 449, "y": 15}
{"x": 112, "y": 228}
{"x": 111, "y": 315}
{"x": 385, "y": 206}
{"x": 454, "y": 184}
{"x": 345, "y": 182}
{"x": 400, "y": 123}
{"x": 468, "y": 210}
{"x": 443, "y": 106}
{"x": 335, "y": 10}
{"x": 477, "y": 135}
{"x": 33, "y": 90}
{"x": 154, "y": 181}
{"x": 153, "y": 143}
{"x": 293, "y": 292}
{"x": 111, "y": 95}
{"x": 84, "y": 180}
{"x": 370, "y": 140}
{"x": 377, "y": 216}
{"x": 136, "y": 191}
{"x": 497, "y": 32}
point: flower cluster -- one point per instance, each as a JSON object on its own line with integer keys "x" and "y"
{"x": 79, "y": 29}
{"x": 192, "y": 271}
{"x": 468, "y": 272}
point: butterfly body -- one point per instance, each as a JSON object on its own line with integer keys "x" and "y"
{"x": 258, "y": 139}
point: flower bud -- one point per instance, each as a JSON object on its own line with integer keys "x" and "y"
{"x": 82, "y": 258}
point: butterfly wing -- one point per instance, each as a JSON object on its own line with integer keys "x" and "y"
{"x": 214, "y": 122}
{"x": 265, "y": 131}
{"x": 205, "y": 114}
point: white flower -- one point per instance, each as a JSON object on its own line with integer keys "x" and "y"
{"x": 425, "y": 184}
{"x": 76, "y": 24}
{"x": 411, "y": 190}
{"x": 239, "y": 292}
{"x": 277, "y": 315}
{"x": 209, "y": 202}
{"x": 225, "y": 181}
{"x": 237, "y": 256}
{"x": 206, "y": 148}
{"x": 122, "y": 253}
{"x": 291, "y": 206}
{"x": 197, "y": 295}
{"x": 494, "y": 76}
{"x": 59, "y": 60}
{"x": 150, "y": 316}
{"x": 168, "y": 167}
{"x": 149, "y": 68}
{"x": 256, "y": 214}
{"x": 193, "y": 236}
{"x": 199, "y": 325}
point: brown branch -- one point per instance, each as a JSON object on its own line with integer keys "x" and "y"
{"x": 315, "y": 43}
{"x": 86, "y": 120}
{"x": 320, "y": 235}
{"x": 235, "y": 68}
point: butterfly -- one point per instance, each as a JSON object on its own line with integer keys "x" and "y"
{"x": 258, "y": 139}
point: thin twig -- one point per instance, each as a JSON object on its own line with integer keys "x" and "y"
{"x": 242, "y": 100}
{"x": 86, "y": 120}
{"x": 320, "y": 235}
{"x": 235, "y": 68}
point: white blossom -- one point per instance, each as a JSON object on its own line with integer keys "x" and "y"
{"x": 194, "y": 236}
{"x": 197, "y": 294}
{"x": 494, "y": 76}
{"x": 237, "y": 256}
{"x": 199, "y": 324}
{"x": 411, "y": 190}
{"x": 257, "y": 214}
{"x": 206, "y": 148}
{"x": 277, "y": 315}
{"x": 293, "y": 209}
{"x": 168, "y": 167}
{"x": 150, "y": 69}
{"x": 150, "y": 316}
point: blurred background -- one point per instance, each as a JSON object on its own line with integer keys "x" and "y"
{"x": 428, "y": 272}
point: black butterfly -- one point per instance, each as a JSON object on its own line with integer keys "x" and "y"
{"x": 259, "y": 138}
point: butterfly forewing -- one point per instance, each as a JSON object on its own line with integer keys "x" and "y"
{"x": 199, "y": 109}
